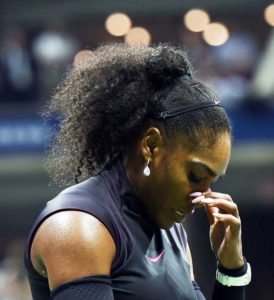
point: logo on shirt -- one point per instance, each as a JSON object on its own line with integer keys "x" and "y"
{"x": 155, "y": 259}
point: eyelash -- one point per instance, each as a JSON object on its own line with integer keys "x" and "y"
{"x": 193, "y": 178}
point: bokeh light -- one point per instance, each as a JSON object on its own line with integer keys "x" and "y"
{"x": 269, "y": 14}
{"x": 196, "y": 20}
{"x": 216, "y": 34}
{"x": 118, "y": 24}
{"x": 138, "y": 35}
{"x": 81, "y": 57}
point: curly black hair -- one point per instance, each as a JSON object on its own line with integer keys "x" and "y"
{"x": 103, "y": 104}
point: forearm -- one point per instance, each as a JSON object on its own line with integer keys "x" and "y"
{"x": 228, "y": 293}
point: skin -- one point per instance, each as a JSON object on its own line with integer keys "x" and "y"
{"x": 72, "y": 244}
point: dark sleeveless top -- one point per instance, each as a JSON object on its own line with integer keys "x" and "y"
{"x": 150, "y": 263}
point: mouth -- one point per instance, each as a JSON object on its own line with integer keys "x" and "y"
{"x": 180, "y": 213}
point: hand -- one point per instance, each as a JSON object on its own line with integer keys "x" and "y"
{"x": 225, "y": 229}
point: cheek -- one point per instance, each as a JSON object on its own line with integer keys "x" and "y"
{"x": 171, "y": 179}
{"x": 178, "y": 182}
{"x": 169, "y": 189}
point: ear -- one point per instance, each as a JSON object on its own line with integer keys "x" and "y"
{"x": 152, "y": 143}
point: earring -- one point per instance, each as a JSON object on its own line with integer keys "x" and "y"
{"x": 147, "y": 169}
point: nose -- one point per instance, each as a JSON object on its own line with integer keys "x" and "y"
{"x": 203, "y": 189}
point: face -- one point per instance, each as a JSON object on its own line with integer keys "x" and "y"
{"x": 178, "y": 172}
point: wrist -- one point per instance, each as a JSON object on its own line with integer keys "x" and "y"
{"x": 233, "y": 262}
{"x": 234, "y": 277}
{"x": 234, "y": 272}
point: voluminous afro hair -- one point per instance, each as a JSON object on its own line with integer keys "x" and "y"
{"x": 103, "y": 104}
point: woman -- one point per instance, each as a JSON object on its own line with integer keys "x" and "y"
{"x": 144, "y": 140}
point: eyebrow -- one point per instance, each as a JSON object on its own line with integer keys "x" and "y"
{"x": 208, "y": 169}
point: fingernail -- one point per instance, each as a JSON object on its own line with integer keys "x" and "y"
{"x": 208, "y": 200}
{"x": 195, "y": 194}
{"x": 198, "y": 199}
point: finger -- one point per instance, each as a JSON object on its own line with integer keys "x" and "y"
{"x": 198, "y": 200}
{"x": 210, "y": 213}
{"x": 232, "y": 221}
{"x": 215, "y": 195}
{"x": 224, "y": 206}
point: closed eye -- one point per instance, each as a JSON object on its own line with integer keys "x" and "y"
{"x": 195, "y": 179}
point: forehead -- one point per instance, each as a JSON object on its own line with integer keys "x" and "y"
{"x": 215, "y": 156}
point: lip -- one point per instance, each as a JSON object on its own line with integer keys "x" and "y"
{"x": 177, "y": 218}
{"x": 180, "y": 214}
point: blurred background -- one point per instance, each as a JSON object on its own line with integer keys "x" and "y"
{"x": 230, "y": 43}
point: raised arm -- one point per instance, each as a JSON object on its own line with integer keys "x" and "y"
{"x": 225, "y": 235}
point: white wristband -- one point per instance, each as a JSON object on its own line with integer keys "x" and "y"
{"x": 234, "y": 281}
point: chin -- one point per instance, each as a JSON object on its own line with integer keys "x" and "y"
{"x": 165, "y": 224}
{"x": 168, "y": 226}
{"x": 162, "y": 221}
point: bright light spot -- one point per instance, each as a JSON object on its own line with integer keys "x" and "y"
{"x": 196, "y": 20}
{"x": 216, "y": 34}
{"x": 81, "y": 57}
{"x": 118, "y": 24}
{"x": 51, "y": 47}
{"x": 138, "y": 35}
{"x": 269, "y": 14}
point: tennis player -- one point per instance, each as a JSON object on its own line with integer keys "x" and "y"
{"x": 139, "y": 143}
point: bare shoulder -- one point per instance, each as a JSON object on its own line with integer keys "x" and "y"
{"x": 70, "y": 245}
